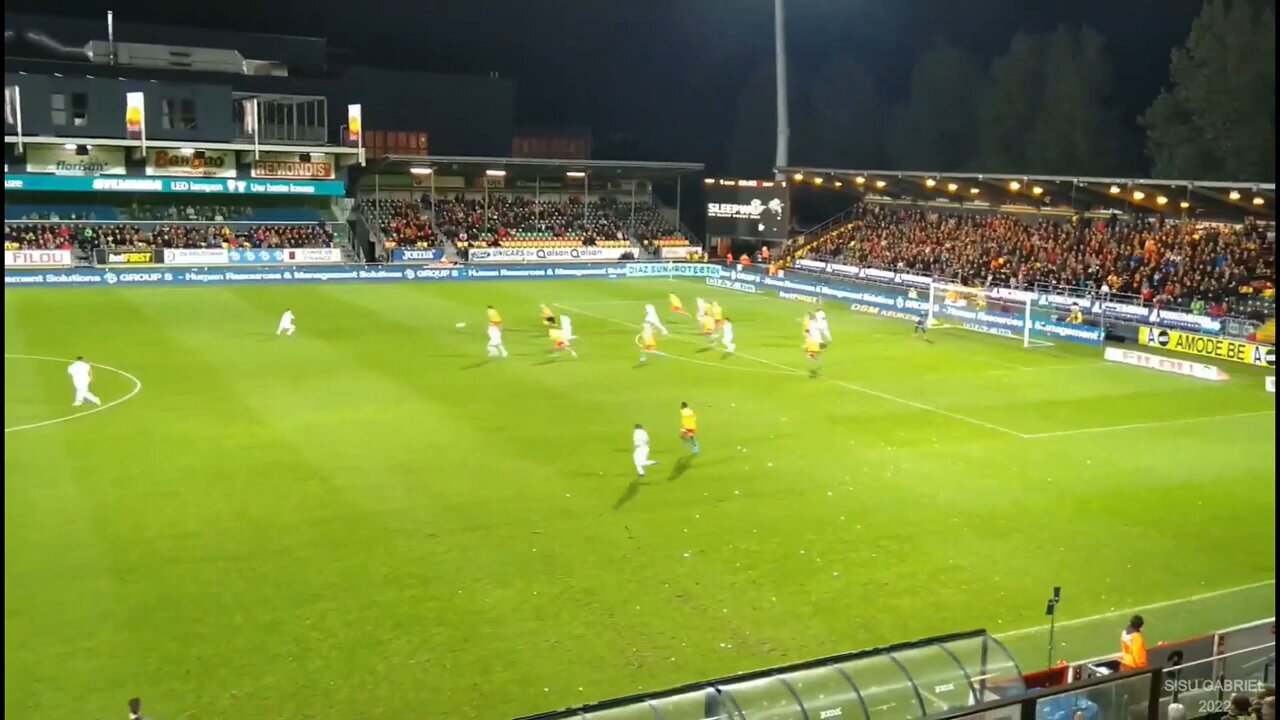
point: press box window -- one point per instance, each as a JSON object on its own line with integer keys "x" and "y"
{"x": 72, "y": 107}
{"x": 178, "y": 114}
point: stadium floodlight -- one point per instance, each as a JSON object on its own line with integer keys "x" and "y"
{"x": 930, "y": 182}
{"x": 860, "y": 179}
{"x": 839, "y": 184}
{"x": 1161, "y": 200}
{"x": 1234, "y": 194}
{"x": 187, "y": 151}
{"x": 69, "y": 146}
{"x": 880, "y": 184}
{"x": 496, "y": 173}
{"x": 1184, "y": 204}
{"x": 421, "y": 170}
{"x": 1115, "y": 189}
{"x": 1037, "y": 190}
{"x": 952, "y": 187}
{"x": 708, "y": 181}
{"x": 1138, "y": 195}
{"x": 1259, "y": 201}
{"x": 1015, "y": 186}
{"x": 817, "y": 181}
{"x": 798, "y": 177}
{"x": 974, "y": 191}
{"x": 575, "y": 174}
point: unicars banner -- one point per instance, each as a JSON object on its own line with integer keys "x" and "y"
{"x": 565, "y": 254}
{"x": 759, "y": 212}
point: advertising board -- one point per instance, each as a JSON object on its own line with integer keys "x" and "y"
{"x": 125, "y": 257}
{"x": 58, "y": 160}
{"x": 196, "y": 256}
{"x": 1218, "y": 348}
{"x": 748, "y": 209}
{"x": 588, "y": 253}
{"x": 1163, "y": 363}
{"x": 203, "y": 163}
{"x": 292, "y": 166}
{"x": 677, "y": 253}
{"x": 116, "y": 183}
{"x": 37, "y": 258}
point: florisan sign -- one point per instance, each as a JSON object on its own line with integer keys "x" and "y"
{"x": 200, "y": 163}
{"x": 59, "y": 160}
{"x": 292, "y": 166}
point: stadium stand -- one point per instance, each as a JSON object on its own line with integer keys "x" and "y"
{"x": 1214, "y": 267}
{"x": 402, "y": 222}
{"x": 520, "y": 221}
{"x": 89, "y": 236}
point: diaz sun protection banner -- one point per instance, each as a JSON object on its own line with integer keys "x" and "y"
{"x": 1205, "y": 346}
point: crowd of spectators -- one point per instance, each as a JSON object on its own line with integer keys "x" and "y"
{"x": 189, "y": 213}
{"x": 125, "y": 236}
{"x": 403, "y": 223}
{"x": 507, "y": 219}
{"x": 1163, "y": 262}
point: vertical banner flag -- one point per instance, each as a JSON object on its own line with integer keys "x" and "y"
{"x": 13, "y": 110}
{"x": 251, "y": 123}
{"x": 135, "y": 117}
{"x": 355, "y": 128}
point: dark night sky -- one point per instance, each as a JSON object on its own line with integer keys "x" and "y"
{"x": 632, "y": 69}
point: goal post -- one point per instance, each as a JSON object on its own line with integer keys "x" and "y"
{"x": 1006, "y": 315}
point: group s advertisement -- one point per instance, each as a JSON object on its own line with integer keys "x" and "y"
{"x": 1237, "y": 351}
{"x": 58, "y": 160}
{"x": 200, "y": 163}
{"x": 292, "y": 166}
{"x": 37, "y": 258}
{"x": 565, "y": 254}
{"x": 748, "y": 209}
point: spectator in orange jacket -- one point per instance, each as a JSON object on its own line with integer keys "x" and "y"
{"x": 1133, "y": 646}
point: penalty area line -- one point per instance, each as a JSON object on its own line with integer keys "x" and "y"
{"x": 788, "y": 370}
{"x": 137, "y": 388}
{"x": 1153, "y": 424}
{"x": 1140, "y": 608}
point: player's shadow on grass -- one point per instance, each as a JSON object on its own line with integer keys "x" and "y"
{"x": 629, "y": 494}
{"x": 680, "y": 468}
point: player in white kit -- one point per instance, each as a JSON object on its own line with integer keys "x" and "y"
{"x": 566, "y": 324}
{"x": 820, "y": 323}
{"x": 286, "y": 323}
{"x": 81, "y": 373}
{"x": 640, "y": 455}
{"x": 702, "y": 307}
{"x": 496, "y": 348}
{"x": 726, "y": 336}
{"x": 651, "y": 317}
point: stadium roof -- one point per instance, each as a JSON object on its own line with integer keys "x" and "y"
{"x": 1208, "y": 197}
{"x": 535, "y": 167}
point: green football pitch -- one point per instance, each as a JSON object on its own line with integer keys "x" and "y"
{"x": 369, "y": 519}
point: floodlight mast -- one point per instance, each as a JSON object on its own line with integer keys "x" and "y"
{"x": 780, "y": 71}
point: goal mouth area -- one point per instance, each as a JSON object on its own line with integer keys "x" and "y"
{"x": 959, "y": 307}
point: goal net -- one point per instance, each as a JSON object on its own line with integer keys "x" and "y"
{"x": 977, "y": 310}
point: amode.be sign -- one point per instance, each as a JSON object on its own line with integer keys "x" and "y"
{"x": 1164, "y": 364}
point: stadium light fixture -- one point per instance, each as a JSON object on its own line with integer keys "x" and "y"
{"x": 1037, "y": 190}
{"x": 421, "y": 170}
{"x": 1234, "y": 194}
{"x": 579, "y": 174}
{"x": 974, "y": 191}
{"x": 817, "y": 181}
{"x": 839, "y": 184}
{"x": 1115, "y": 189}
{"x": 952, "y": 187}
{"x": 1161, "y": 200}
{"x": 880, "y": 184}
{"x": 69, "y": 146}
{"x": 930, "y": 182}
{"x": 1015, "y": 186}
{"x": 496, "y": 173}
{"x": 708, "y": 181}
{"x": 187, "y": 151}
{"x": 798, "y": 177}
{"x": 1138, "y": 195}
{"x": 1184, "y": 204}
{"x": 1259, "y": 201}
{"x": 860, "y": 179}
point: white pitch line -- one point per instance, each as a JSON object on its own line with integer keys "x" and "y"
{"x": 1157, "y": 423}
{"x": 1152, "y": 606}
{"x": 849, "y": 386}
{"x": 137, "y": 388}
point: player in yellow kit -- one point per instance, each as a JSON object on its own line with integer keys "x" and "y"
{"x": 689, "y": 427}
{"x": 548, "y": 317}
{"x": 708, "y": 328}
{"x": 717, "y": 314}
{"x": 559, "y": 342}
{"x": 648, "y": 343}
{"x": 494, "y": 317}
{"x": 677, "y": 305}
{"x": 813, "y": 352}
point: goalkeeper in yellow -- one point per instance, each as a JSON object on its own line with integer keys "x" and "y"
{"x": 813, "y": 347}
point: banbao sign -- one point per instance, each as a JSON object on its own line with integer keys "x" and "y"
{"x": 291, "y": 166}
{"x": 205, "y": 163}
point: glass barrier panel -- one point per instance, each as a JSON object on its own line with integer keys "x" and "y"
{"x": 696, "y": 705}
{"x": 826, "y": 694}
{"x": 764, "y": 699}
{"x": 992, "y": 669}
{"x": 889, "y": 693}
{"x": 1123, "y": 699}
{"x": 939, "y": 678}
{"x": 636, "y": 711}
